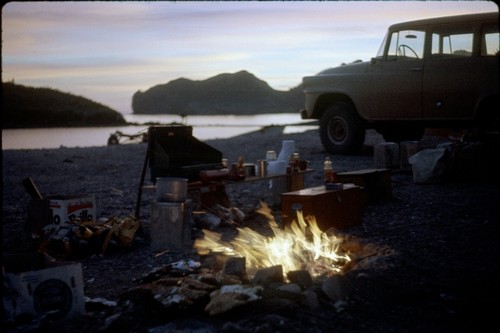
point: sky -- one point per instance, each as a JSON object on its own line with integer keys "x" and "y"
{"x": 107, "y": 51}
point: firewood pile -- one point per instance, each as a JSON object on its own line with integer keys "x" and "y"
{"x": 78, "y": 238}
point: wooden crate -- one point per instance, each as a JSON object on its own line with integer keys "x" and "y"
{"x": 340, "y": 209}
{"x": 376, "y": 183}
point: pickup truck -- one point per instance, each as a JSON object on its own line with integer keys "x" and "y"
{"x": 439, "y": 72}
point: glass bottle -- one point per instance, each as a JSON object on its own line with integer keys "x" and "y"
{"x": 241, "y": 167}
{"x": 295, "y": 162}
{"x": 328, "y": 170}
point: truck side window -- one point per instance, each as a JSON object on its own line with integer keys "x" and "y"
{"x": 490, "y": 41}
{"x": 407, "y": 44}
{"x": 456, "y": 41}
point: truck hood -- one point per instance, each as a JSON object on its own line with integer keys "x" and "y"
{"x": 353, "y": 68}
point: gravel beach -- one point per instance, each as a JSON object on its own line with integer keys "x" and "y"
{"x": 442, "y": 276}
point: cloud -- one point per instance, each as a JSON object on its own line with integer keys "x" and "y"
{"x": 98, "y": 48}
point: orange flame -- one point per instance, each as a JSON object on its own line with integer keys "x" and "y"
{"x": 299, "y": 246}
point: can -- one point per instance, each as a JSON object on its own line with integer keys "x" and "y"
{"x": 262, "y": 168}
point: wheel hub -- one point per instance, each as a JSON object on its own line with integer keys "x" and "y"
{"x": 338, "y": 130}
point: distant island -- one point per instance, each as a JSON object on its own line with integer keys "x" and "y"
{"x": 28, "y": 107}
{"x": 240, "y": 93}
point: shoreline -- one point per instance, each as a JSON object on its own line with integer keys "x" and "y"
{"x": 73, "y": 137}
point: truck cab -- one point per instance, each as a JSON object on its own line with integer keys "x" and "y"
{"x": 439, "y": 72}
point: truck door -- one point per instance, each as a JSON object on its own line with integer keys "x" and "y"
{"x": 396, "y": 90}
{"x": 461, "y": 68}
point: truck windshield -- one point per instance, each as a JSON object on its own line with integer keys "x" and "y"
{"x": 406, "y": 44}
{"x": 380, "y": 52}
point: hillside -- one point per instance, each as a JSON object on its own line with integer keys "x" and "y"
{"x": 239, "y": 93}
{"x": 27, "y": 107}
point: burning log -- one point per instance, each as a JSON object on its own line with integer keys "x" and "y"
{"x": 301, "y": 245}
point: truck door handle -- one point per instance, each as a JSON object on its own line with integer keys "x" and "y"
{"x": 416, "y": 69}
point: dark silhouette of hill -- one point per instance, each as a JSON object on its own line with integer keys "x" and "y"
{"x": 240, "y": 93}
{"x": 27, "y": 107}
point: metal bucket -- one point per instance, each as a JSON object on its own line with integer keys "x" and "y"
{"x": 171, "y": 189}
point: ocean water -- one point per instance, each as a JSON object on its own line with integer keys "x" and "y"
{"x": 204, "y": 128}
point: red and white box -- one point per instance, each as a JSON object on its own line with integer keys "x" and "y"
{"x": 65, "y": 208}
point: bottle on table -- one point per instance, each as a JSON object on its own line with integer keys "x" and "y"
{"x": 328, "y": 172}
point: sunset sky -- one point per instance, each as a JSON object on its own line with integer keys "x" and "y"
{"x": 106, "y": 51}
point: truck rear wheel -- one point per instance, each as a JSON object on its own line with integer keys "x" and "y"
{"x": 341, "y": 129}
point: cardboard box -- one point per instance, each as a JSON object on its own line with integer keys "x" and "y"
{"x": 36, "y": 286}
{"x": 340, "y": 209}
{"x": 64, "y": 208}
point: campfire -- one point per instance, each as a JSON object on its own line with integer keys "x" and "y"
{"x": 298, "y": 246}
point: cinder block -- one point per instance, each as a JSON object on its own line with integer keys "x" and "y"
{"x": 407, "y": 149}
{"x": 386, "y": 155}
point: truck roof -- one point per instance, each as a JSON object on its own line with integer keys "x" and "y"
{"x": 491, "y": 16}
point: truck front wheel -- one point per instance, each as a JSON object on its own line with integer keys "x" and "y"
{"x": 341, "y": 129}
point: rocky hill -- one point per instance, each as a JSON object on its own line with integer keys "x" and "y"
{"x": 27, "y": 107}
{"x": 240, "y": 93}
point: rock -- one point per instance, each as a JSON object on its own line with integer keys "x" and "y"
{"x": 206, "y": 221}
{"x": 191, "y": 295}
{"x": 197, "y": 284}
{"x": 237, "y": 214}
{"x": 98, "y": 302}
{"x": 266, "y": 276}
{"x": 291, "y": 288}
{"x": 184, "y": 325}
{"x": 229, "y": 297}
{"x": 206, "y": 278}
{"x": 336, "y": 287}
{"x": 310, "y": 299}
{"x": 302, "y": 278}
{"x": 235, "y": 266}
{"x": 224, "y": 279}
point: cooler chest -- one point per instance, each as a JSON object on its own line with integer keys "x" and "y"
{"x": 340, "y": 209}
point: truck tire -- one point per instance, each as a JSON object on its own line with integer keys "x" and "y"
{"x": 341, "y": 129}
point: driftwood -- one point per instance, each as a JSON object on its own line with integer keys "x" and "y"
{"x": 119, "y": 137}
